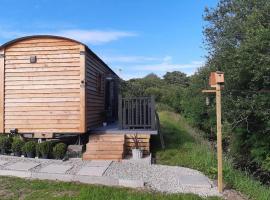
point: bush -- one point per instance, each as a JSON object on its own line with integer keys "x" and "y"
{"x": 17, "y": 145}
{"x": 29, "y": 148}
{"x": 44, "y": 149}
{"x": 59, "y": 150}
{"x": 5, "y": 143}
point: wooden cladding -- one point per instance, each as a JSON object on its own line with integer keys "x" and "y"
{"x": 42, "y": 91}
{"x": 2, "y": 89}
{"x": 50, "y": 84}
{"x": 136, "y": 113}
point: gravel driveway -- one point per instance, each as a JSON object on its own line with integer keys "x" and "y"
{"x": 168, "y": 179}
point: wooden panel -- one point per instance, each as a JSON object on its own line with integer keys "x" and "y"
{"x": 43, "y": 40}
{"x": 41, "y": 91}
{"x": 48, "y": 82}
{"x": 25, "y": 108}
{"x": 41, "y": 104}
{"x": 37, "y": 65}
{"x": 48, "y": 56}
{"x": 38, "y": 113}
{"x": 43, "y": 69}
{"x": 37, "y": 87}
{"x": 39, "y": 121}
{"x": 45, "y": 130}
{"x": 53, "y": 48}
{"x": 44, "y": 117}
{"x": 68, "y": 73}
{"x": 2, "y": 84}
{"x": 43, "y": 60}
{"x": 43, "y": 97}
{"x": 55, "y": 52}
{"x": 43, "y": 78}
{"x": 39, "y": 95}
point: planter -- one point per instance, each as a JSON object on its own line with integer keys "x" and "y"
{"x": 3, "y": 151}
{"x": 30, "y": 154}
{"x": 18, "y": 154}
{"x": 136, "y": 153}
{"x": 45, "y": 156}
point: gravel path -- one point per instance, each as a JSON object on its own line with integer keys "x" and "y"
{"x": 168, "y": 179}
{"x": 161, "y": 178}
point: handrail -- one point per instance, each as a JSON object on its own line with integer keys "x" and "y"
{"x": 136, "y": 112}
{"x": 159, "y": 131}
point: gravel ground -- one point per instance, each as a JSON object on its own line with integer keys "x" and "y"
{"x": 167, "y": 179}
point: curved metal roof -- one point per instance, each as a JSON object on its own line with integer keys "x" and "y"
{"x": 56, "y": 37}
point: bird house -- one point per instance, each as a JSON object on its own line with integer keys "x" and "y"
{"x": 216, "y": 78}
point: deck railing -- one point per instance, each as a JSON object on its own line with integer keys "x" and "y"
{"x": 136, "y": 113}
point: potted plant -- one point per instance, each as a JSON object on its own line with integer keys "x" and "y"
{"x": 44, "y": 149}
{"x": 59, "y": 150}
{"x": 4, "y": 144}
{"x": 136, "y": 151}
{"x": 16, "y": 146}
{"x": 29, "y": 149}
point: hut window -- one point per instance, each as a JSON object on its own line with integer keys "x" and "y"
{"x": 33, "y": 59}
{"x": 99, "y": 82}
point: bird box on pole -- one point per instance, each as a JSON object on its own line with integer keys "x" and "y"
{"x": 216, "y": 80}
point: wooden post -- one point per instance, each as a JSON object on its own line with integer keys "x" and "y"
{"x": 219, "y": 136}
{"x": 120, "y": 112}
{"x": 153, "y": 113}
{"x": 216, "y": 80}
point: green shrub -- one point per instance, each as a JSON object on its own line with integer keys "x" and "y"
{"x": 5, "y": 142}
{"x": 59, "y": 150}
{"x": 44, "y": 149}
{"x": 29, "y": 148}
{"x": 17, "y": 145}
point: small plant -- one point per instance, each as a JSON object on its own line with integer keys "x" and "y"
{"x": 5, "y": 143}
{"x": 136, "y": 141}
{"x": 29, "y": 149}
{"x": 136, "y": 152}
{"x": 44, "y": 149}
{"x": 17, "y": 146}
{"x": 59, "y": 150}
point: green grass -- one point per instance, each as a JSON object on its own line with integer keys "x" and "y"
{"x": 16, "y": 188}
{"x": 185, "y": 147}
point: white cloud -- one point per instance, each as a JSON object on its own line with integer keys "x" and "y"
{"x": 95, "y": 36}
{"x": 129, "y": 59}
{"x": 132, "y": 70}
{"x": 167, "y": 65}
{"x": 86, "y": 36}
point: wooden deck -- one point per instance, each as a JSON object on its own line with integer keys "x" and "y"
{"x": 113, "y": 143}
{"x": 113, "y": 128}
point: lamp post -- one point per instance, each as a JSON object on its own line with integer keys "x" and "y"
{"x": 216, "y": 81}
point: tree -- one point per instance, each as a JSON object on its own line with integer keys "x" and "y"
{"x": 176, "y": 77}
{"x": 238, "y": 42}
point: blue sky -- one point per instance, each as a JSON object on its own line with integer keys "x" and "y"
{"x": 134, "y": 37}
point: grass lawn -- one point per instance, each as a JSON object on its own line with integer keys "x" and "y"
{"x": 185, "y": 147}
{"x": 16, "y": 188}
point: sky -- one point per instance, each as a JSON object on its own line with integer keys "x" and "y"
{"x": 134, "y": 37}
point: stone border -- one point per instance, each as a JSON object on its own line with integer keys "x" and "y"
{"x": 100, "y": 180}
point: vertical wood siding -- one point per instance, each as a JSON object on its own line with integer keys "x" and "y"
{"x": 42, "y": 96}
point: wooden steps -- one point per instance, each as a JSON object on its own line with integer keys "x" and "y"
{"x": 105, "y": 147}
